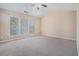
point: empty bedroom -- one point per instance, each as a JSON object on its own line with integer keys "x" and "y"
{"x": 38, "y": 29}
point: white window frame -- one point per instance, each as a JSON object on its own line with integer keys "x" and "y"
{"x": 19, "y": 24}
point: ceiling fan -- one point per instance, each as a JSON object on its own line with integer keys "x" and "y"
{"x": 38, "y": 6}
{"x": 43, "y": 5}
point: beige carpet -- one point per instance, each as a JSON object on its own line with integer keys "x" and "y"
{"x": 39, "y": 46}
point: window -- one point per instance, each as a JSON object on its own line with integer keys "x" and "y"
{"x": 14, "y": 26}
{"x": 31, "y": 26}
{"x": 20, "y": 26}
{"x": 24, "y": 26}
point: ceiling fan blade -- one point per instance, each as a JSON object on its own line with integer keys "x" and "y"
{"x": 25, "y": 11}
{"x": 44, "y": 5}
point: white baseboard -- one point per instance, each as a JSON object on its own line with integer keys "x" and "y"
{"x": 13, "y": 39}
{"x": 40, "y": 35}
{"x": 60, "y": 37}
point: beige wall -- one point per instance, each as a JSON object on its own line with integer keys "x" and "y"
{"x": 0, "y": 27}
{"x": 4, "y": 32}
{"x": 5, "y": 23}
{"x": 60, "y": 24}
{"x": 56, "y": 24}
{"x": 77, "y": 30}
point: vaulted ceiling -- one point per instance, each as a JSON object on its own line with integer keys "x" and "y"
{"x": 39, "y": 9}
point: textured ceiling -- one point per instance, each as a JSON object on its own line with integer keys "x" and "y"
{"x": 32, "y": 10}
